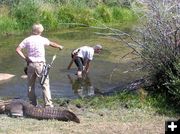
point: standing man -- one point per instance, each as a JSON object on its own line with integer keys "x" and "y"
{"x": 35, "y": 58}
{"x": 83, "y": 56}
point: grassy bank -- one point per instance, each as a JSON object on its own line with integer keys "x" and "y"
{"x": 124, "y": 112}
{"x": 20, "y": 15}
{"x": 131, "y": 100}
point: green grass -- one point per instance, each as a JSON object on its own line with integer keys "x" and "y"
{"x": 53, "y": 15}
{"x": 7, "y": 24}
{"x": 131, "y": 100}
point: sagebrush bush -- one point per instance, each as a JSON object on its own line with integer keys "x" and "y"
{"x": 157, "y": 42}
{"x": 160, "y": 46}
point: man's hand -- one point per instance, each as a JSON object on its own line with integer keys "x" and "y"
{"x": 53, "y": 44}
{"x": 28, "y": 60}
{"x": 61, "y": 47}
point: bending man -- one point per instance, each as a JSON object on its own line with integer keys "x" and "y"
{"x": 83, "y": 56}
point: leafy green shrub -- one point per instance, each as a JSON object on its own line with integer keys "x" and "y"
{"x": 102, "y": 13}
{"x": 117, "y": 14}
{"x": 84, "y": 16}
{"x": 173, "y": 81}
{"x": 7, "y": 24}
{"x": 128, "y": 15}
{"x": 51, "y": 13}
{"x": 71, "y": 14}
{"x": 26, "y": 12}
{"x": 48, "y": 19}
{"x": 65, "y": 14}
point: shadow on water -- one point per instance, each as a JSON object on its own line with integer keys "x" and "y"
{"x": 65, "y": 83}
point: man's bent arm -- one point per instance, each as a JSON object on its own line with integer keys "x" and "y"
{"x": 20, "y": 53}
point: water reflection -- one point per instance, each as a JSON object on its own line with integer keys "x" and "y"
{"x": 82, "y": 86}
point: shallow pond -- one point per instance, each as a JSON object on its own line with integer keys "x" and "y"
{"x": 107, "y": 70}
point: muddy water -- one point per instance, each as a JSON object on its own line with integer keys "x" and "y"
{"x": 107, "y": 70}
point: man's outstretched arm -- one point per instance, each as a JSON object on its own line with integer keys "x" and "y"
{"x": 55, "y": 45}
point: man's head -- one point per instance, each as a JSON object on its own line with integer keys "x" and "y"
{"x": 97, "y": 48}
{"x": 37, "y": 29}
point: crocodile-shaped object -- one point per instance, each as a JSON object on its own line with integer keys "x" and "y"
{"x": 19, "y": 107}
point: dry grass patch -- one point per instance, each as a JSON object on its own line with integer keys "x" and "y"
{"x": 120, "y": 121}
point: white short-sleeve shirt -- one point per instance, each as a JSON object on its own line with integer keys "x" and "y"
{"x": 35, "y": 47}
{"x": 85, "y": 52}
